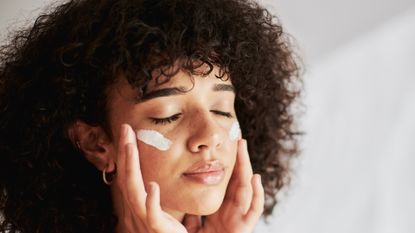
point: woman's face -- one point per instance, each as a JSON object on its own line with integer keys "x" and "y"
{"x": 194, "y": 170}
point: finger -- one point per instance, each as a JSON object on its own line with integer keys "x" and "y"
{"x": 257, "y": 204}
{"x": 242, "y": 199}
{"x": 244, "y": 163}
{"x": 154, "y": 211}
{"x": 134, "y": 186}
{"x": 240, "y": 188}
{"x": 123, "y": 140}
{"x": 134, "y": 177}
{"x": 120, "y": 181}
{"x": 192, "y": 223}
{"x": 242, "y": 173}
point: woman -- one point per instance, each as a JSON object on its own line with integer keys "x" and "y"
{"x": 128, "y": 116}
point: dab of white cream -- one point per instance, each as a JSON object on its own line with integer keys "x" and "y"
{"x": 234, "y": 131}
{"x": 154, "y": 138}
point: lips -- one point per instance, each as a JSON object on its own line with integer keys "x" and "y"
{"x": 209, "y": 173}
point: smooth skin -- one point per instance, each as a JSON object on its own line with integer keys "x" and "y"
{"x": 142, "y": 208}
{"x": 199, "y": 134}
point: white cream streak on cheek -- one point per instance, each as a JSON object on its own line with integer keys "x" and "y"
{"x": 153, "y": 138}
{"x": 234, "y": 131}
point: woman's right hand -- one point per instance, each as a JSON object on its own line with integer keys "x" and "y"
{"x": 141, "y": 211}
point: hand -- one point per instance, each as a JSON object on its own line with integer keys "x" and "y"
{"x": 243, "y": 203}
{"x": 141, "y": 210}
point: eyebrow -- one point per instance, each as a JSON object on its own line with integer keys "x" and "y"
{"x": 223, "y": 87}
{"x": 181, "y": 90}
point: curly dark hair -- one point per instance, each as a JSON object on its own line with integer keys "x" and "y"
{"x": 59, "y": 70}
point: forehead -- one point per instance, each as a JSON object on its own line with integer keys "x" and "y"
{"x": 186, "y": 78}
{"x": 182, "y": 79}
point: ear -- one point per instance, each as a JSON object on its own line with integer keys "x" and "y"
{"x": 94, "y": 143}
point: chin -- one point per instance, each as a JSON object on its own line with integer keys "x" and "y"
{"x": 200, "y": 203}
{"x": 205, "y": 204}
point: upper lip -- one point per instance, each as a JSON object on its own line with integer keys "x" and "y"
{"x": 204, "y": 167}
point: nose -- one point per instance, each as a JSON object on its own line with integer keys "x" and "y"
{"x": 205, "y": 134}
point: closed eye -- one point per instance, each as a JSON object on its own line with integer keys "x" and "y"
{"x": 170, "y": 119}
{"x": 225, "y": 114}
{"x": 167, "y": 120}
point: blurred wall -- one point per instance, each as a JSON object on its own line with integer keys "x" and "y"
{"x": 357, "y": 170}
{"x": 321, "y": 26}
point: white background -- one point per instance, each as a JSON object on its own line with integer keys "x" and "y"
{"x": 357, "y": 170}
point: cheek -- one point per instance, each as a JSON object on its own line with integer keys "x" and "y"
{"x": 151, "y": 163}
{"x": 158, "y": 165}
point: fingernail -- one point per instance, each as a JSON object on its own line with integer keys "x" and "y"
{"x": 130, "y": 135}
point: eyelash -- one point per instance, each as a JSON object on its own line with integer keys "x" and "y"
{"x": 168, "y": 120}
{"x": 225, "y": 114}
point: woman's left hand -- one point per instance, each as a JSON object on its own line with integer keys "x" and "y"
{"x": 243, "y": 203}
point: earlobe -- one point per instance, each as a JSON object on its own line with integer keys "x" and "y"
{"x": 94, "y": 143}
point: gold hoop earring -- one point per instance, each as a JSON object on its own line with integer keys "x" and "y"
{"x": 108, "y": 177}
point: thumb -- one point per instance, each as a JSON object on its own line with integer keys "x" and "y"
{"x": 192, "y": 223}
